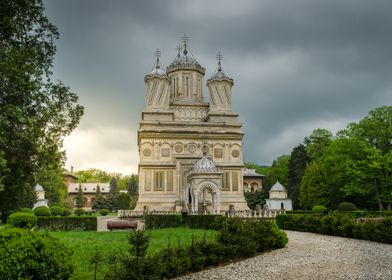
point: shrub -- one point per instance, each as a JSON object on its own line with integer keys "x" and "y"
{"x": 347, "y": 206}
{"x": 57, "y": 211}
{"x": 42, "y": 211}
{"x": 340, "y": 225}
{"x": 67, "y": 212}
{"x": 27, "y": 210}
{"x": 22, "y": 220}
{"x": 68, "y": 223}
{"x": 162, "y": 221}
{"x": 79, "y": 211}
{"x": 33, "y": 255}
{"x": 237, "y": 239}
{"x": 104, "y": 212}
{"x": 319, "y": 208}
{"x": 204, "y": 221}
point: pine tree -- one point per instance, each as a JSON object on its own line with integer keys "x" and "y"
{"x": 297, "y": 164}
{"x": 79, "y": 197}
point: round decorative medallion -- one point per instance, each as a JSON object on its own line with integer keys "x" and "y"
{"x": 192, "y": 149}
{"x": 235, "y": 153}
{"x": 178, "y": 148}
{"x": 147, "y": 152}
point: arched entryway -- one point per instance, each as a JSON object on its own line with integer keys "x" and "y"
{"x": 207, "y": 193}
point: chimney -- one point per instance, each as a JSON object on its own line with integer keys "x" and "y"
{"x": 71, "y": 169}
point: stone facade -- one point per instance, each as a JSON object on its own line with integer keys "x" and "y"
{"x": 177, "y": 128}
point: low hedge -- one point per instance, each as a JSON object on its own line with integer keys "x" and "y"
{"x": 162, "y": 221}
{"x": 68, "y": 223}
{"x": 339, "y": 225}
{"x": 191, "y": 221}
{"x": 33, "y": 255}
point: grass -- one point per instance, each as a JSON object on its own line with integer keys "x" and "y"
{"x": 85, "y": 244}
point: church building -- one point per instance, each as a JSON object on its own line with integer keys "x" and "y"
{"x": 190, "y": 150}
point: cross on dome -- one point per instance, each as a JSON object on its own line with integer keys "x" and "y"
{"x": 157, "y": 54}
{"x": 185, "y": 40}
{"x": 219, "y": 57}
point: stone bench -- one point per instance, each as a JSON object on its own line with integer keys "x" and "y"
{"x": 121, "y": 224}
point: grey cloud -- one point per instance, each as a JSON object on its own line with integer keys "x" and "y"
{"x": 295, "y": 64}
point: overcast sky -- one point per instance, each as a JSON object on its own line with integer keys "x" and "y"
{"x": 296, "y": 65}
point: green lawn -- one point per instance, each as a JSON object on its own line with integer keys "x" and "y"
{"x": 85, "y": 243}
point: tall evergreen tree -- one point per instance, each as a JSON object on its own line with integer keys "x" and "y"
{"x": 79, "y": 197}
{"x": 132, "y": 186}
{"x": 112, "y": 199}
{"x": 296, "y": 168}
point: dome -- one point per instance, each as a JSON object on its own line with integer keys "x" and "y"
{"x": 185, "y": 62}
{"x": 38, "y": 188}
{"x": 219, "y": 76}
{"x": 157, "y": 73}
{"x": 204, "y": 165}
{"x": 278, "y": 187}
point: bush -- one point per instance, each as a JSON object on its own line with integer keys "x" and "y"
{"x": 319, "y": 208}
{"x": 192, "y": 221}
{"x": 22, "y": 220}
{"x": 68, "y": 223}
{"x": 67, "y": 212}
{"x": 42, "y": 211}
{"x": 79, "y": 211}
{"x": 27, "y": 210}
{"x": 162, "y": 221}
{"x": 104, "y": 212}
{"x": 340, "y": 225}
{"x": 204, "y": 221}
{"x": 347, "y": 206}
{"x": 33, "y": 255}
{"x": 237, "y": 239}
{"x": 57, "y": 211}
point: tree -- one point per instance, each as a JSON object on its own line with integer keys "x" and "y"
{"x": 314, "y": 189}
{"x": 317, "y": 143}
{"x": 79, "y": 198}
{"x": 356, "y": 170}
{"x": 132, "y": 186}
{"x": 375, "y": 130}
{"x": 254, "y": 198}
{"x": 296, "y": 168}
{"x": 278, "y": 171}
{"x": 92, "y": 175}
{"x": 112, "y": 199}
{"x": 52, "y": 180}
{"x": 99, "y": 202}
{"x": 35, "y": 113}
{"x": 123, "y": 201}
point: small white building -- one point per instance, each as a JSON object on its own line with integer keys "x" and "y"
{"x": 278, "y": 198}
{"x": 41, "y": 201}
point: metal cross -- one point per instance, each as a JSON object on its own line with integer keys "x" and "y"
{"x": 219, "y": 57}
{"x": 184, "y": 39}
{"x": 157, "y": 54}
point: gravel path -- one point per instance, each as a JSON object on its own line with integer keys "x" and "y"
{"x": 311, "y": 256}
